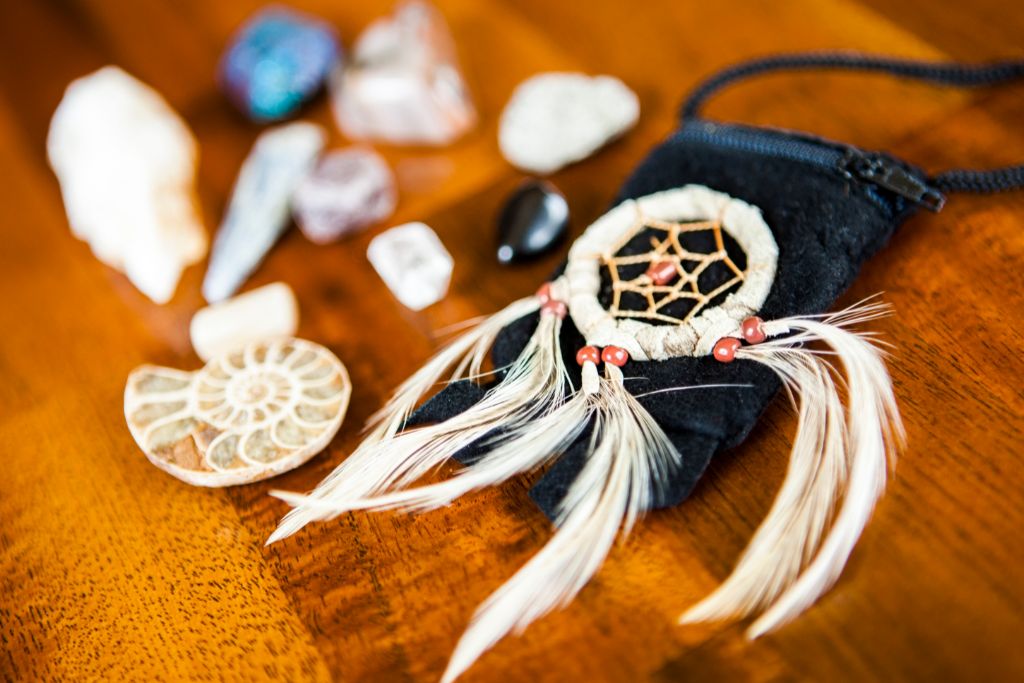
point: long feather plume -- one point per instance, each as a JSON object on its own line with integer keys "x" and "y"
{"x": 627, "y": 449}
{"x": 523, "y": 449}
{"x": 839, "y": 458}
{"x": 536, "y": 383}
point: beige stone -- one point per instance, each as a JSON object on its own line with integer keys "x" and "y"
{"x": 263, "y": 313}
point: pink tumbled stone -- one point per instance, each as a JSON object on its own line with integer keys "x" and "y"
{"x": 347, "y": 191}
{"x": 403, "y": 84}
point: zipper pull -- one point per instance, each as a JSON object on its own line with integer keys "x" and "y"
{"x": 884, "y": 173}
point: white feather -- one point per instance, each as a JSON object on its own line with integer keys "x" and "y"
{"x": 534, "y": 384}
{"x": 627, "y": 448}
{"x": 837, "y": 456}
{"x": 527, "y": 448}
{"x": 467, "y": 353}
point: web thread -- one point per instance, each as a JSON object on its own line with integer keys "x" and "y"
{"x": 667, "y": 248}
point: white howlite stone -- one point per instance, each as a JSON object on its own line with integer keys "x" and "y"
{"x": 264, "y": 313}
{"x": 555, "y": 119}
{"x": 413, "y": 264}
{"x": 126, "y": 165}
{"x": 260, "y": 204}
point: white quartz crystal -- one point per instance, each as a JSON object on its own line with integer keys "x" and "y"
{"x": 263, "y": 313}
{"x": 413, "y": 264}
{"x": 402, "y": 83}
{"x": 260, "y": 204}
{"x": 126, "y": 165}
{"x": 555, "y": 119}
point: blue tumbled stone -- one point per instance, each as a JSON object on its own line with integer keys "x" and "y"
{"x": 278, "y": 60}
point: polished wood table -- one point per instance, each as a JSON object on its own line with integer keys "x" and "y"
{"x": 112, "y": 570}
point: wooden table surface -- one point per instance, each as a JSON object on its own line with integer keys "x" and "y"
{"x": 112, "y": 570}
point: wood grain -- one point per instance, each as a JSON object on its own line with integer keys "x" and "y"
{"x": 111, "y": 570}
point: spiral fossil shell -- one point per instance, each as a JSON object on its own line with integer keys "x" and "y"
{"x": 247, "y": 415}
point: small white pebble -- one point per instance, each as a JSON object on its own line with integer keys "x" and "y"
{"x": 555, "y": 119}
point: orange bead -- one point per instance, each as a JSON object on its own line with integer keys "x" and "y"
{"x": 725, "y": 349}
{"x": 753, "y": 330}
{"x": 544, "y": 292}
{"x": 615, "y": 355}
{"x": 662, "y": 272}
{"x": 554, "y": 307}
{"x": 588, "y": 354}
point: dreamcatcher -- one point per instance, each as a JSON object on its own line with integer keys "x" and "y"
{"x": 678, "y": 315}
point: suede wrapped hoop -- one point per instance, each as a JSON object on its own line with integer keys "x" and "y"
{"x": 692, "y": 337}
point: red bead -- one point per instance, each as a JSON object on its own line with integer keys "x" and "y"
{"x": 662, "y": 272}
{"x": 725, "y": 349}
{"x": 544, "y": 293}
{"x": 554, "y": 307}
{"x": 588, "y": 354}
{"x": 753, "y": 330}
{"x": 615, "y": 355}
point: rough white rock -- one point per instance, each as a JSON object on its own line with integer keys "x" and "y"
{"x": 555, "y": 119}
{"x": 413, "y": 264}
{"x": 126, "y": 165}
{"x": 260, "y": 204}
{"x": 263, "y": 313}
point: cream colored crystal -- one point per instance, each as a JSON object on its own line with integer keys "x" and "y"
{"x": 263, "y": 313}
{"x": 126, "y": 165}
{"x": 250, "y": 414}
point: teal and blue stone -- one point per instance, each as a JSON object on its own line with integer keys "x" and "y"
{"x": 277, "y": 61}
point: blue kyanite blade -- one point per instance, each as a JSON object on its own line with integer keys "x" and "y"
{"x": 277, "y": 61}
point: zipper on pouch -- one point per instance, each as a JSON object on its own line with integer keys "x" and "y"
{"x": 876, "y": 170}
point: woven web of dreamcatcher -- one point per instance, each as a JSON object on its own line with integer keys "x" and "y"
{"x": 667, "y": 247}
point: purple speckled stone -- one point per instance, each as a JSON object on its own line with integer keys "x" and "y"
{"x": 277, "y": 61}
{"x": 347, "y": 191}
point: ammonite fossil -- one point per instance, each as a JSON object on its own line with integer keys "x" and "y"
{"x": 247, "y": 415}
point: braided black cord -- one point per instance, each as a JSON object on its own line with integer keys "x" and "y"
{"x": 942, "y": 73}
{"x": 995, "y": 180}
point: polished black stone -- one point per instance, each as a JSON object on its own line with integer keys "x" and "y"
{"x": 535, "y": 217}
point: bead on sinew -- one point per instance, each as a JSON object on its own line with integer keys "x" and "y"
{"x": 588, "y": 354}
{"x": 662, "y": 272}
{"x": 615, "y": 355}
{"x": 753, "y": 330}
{"x": 544, "y": 292}
{"x": 725, "y": 349}
{"x": 554, "y": 307}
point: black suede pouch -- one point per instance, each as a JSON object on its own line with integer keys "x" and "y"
{"x": 828, "y": 216}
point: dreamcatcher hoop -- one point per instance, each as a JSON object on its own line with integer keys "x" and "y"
{"x": 697, "y": 335}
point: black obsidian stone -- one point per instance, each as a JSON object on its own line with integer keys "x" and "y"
{"x": 535, "y": 217}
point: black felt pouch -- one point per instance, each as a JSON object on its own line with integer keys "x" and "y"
{"x": 830, "y": 206}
